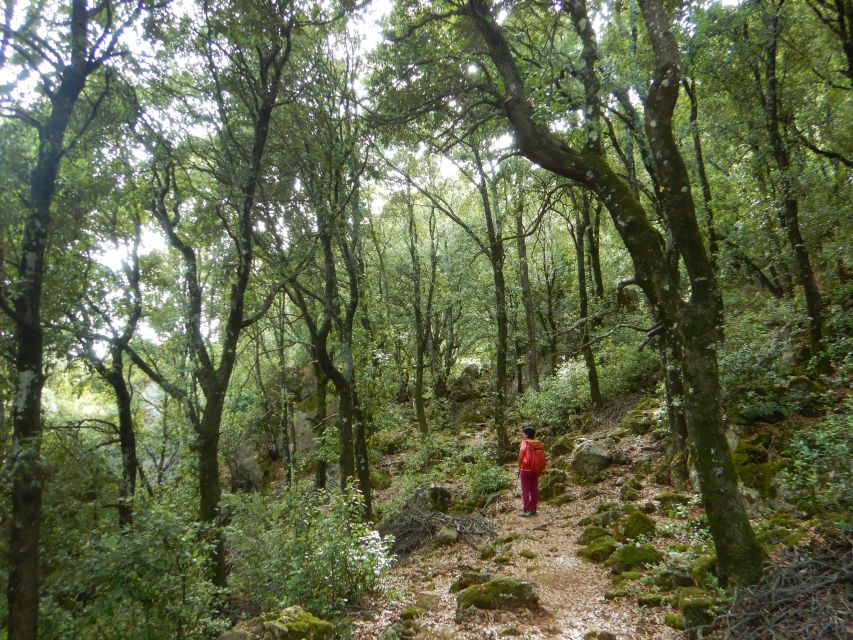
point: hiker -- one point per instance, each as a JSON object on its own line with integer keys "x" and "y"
{"x": 531, "y": 463}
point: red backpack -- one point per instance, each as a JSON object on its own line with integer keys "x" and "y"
{"x": 534, "y": 458}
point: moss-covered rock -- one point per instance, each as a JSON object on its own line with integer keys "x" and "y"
{"x": 598, "y": 634}
{"x": 507, "y": 537}
{"x": 631, "y": 556}
{"x": 669, "y": 499}
{"x": 604, "y": 519}
{"x": 562, "y": 446}
{"x": 599, "y": 550}
{"x": 469, "y": 414}
{"x": 412, "y": 613}
{"x": 552, "y": 483}
{"x": 628, "y": 494}
{"x": 237, "y": 634}
{"x": 508, "y": 632}
{"x": 487, "y": 552}
{"x": 379, "y": 478}
{"x": 528, "y": 554}
{"x": 762, "y": 477}
{"x": 593, "y": 532}
{"x": 430, "y": 497}
{"x": 503, "y": 558}
{"x": 499, "y": 593}
{"x": 446, "y": 536}
{"x": 696, "y": 609}
{"x": 294, "y": 623}
{"x": 561, "y": 500}
{"x": 467, "y": 579}
{"x": 636, "y": 524}
{"x": 628, "y": 576}
{"x": 401, "y": 630}
{"x": 671, "y": 579}
{"x": 641, "y": 417}
{"x": 648, "y": 507}
{"x": 674, "y": 620}
{"x": 650, "y": 600}
{"x": 590, "y": 458}
{"x": 704, "y": 569}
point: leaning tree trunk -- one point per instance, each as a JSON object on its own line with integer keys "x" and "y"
{"x": 739, "y": 555}
{"x": 699, "y": 322}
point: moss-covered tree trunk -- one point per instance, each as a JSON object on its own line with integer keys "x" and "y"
{"x": 673, "y": 468}
{"x": 531, "y": 356}
{"x": 790, "y": 216}
{"x": 320, "y": 470}
{"x": 739, "y": 554}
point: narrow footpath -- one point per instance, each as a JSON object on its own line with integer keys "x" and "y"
{"x": 542, "y": 550}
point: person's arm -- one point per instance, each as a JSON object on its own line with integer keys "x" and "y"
{"x": 521, "y": 454}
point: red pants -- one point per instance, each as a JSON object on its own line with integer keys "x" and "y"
{"x": 529, "y": 490}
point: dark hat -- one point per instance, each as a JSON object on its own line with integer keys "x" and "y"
{"x": 529, "y": 431}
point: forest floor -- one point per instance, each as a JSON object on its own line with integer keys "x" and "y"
{"x": 571, "y": 590}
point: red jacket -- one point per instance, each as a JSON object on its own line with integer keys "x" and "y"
{"x": 533, "y": 444}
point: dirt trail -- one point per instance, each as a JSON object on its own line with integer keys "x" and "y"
{"x": 571, "y": 590}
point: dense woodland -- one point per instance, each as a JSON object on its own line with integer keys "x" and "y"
{"x": 267, "y": 267}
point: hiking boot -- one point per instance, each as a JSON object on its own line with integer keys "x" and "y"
{"x": 526, "y": 514}
{"x": 532, "y": 513}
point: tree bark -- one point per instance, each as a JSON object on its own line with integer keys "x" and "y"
{"x": 27, "y": 481}
{"x": 578, "y": 233}
{"x": 674, "y": 465}
{"x": 713, "y": 242}
{"x": 320, "y": 424}
{"x": 740, "y": 556}
{"x": 790, "y": 218}
{"x": 531, "y": 355}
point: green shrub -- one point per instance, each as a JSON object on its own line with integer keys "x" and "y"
{"x": 141, "y": 584}
{"x": 295, "y": 546}
{"x": 558, "y": 397}
{"x": 820, "y": 468}
{"x": 484, "y": 478}
{"x": 623, "y": 370}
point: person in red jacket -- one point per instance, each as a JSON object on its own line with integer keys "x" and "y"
{"x": 531, "y": 463}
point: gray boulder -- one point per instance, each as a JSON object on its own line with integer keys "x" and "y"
{"x": 589, "y": 458}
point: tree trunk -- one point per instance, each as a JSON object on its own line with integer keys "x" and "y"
{"x": 790, "y": 218}
{"x": 27, "y": 481}
{"x": 500, "y": 358}
{"x": 210, "y": 490}
{"x": 127, "y": 441}
{"x": 320, "y": 425}
{"x": 673, "y": 467}
{"x": 531, "y": 357}
{"x": 732, "y": 535}
{"x": 713, "y": 242}
{"x": 739, "y": 556}
{"x": 579, "y": 235}
{"x": 421, "y": 317}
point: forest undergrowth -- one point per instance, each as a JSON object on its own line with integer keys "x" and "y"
{"x": 578, "y": 553}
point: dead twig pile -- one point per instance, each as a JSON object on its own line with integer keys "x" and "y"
{"x": 413, "y": 529}
{"x": 806, "y": 593}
